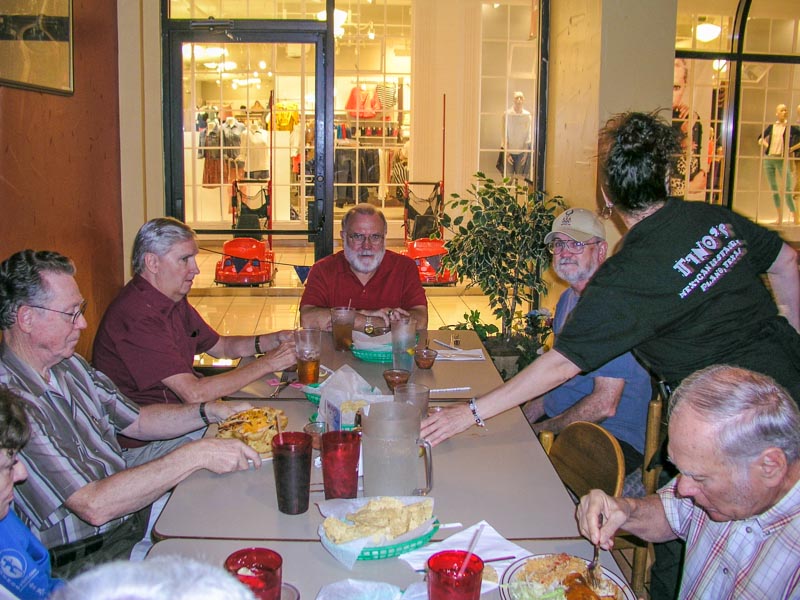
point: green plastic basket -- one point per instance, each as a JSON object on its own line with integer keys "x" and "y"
{"x": 373, "y": 356}
{"x": 381, "y": 552}
{"x": 313, "y": 398}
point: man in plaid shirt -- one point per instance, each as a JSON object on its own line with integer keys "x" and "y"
{"x": 735, "y": 437}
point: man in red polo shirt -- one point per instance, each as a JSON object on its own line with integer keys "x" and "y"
{"x": 149, "y": 335}
{"x": 380, "y": 284}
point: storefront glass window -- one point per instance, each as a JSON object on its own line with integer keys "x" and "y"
{"x": 236, "y": 80}
{"x": 765, "y": 185}
{"x": 244, "y": 9}
{"x": 510, "y": 40}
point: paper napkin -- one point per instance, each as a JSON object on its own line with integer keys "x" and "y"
{"x": 490, "y": 545}
{"x": 474, "y": 354}
{"x": 382, "y": 343}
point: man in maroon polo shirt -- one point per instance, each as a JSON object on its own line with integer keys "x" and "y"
{"x": 150, "y": 333}
{"x": 380, "y": 284}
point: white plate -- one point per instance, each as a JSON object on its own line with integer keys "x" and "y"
{"x": 511, "y": 571}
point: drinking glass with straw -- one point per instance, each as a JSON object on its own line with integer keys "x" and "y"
{"x": 456, "y": 574}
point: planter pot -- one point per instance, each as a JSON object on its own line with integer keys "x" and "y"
{"x": 504, "y": 354}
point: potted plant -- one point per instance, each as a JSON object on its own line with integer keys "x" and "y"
{"x": 498, "y": 244}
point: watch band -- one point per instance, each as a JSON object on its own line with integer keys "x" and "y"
{"x": 203, "y": 415}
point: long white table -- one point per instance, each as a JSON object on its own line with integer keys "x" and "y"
{"x": 500, "y": 474}
{"x": 308, "y": 566}
{"x": 479, "y": 376}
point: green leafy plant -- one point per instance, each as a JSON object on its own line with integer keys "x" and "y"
{"x": 498, "y": 243}
{"x": 472, "y": 320}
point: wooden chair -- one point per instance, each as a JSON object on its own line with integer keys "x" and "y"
{"x": 586, "y": 457}
{"x": 653, "y": 438}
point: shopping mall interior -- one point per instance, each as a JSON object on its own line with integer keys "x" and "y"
{"x": 279, "y": 115}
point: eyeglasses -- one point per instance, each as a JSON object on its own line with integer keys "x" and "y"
{"x": 74, "y": 316}
{"x": 557, "y": 247}
{"x": 358, "y": 238}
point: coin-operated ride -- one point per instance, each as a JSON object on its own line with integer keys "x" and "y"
{"x": 248, "y": 260}
{"x": 419, "y": 223}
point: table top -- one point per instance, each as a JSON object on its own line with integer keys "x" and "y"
{"x": 479, "y": 376}
{"x": 308, "y": 566}
{"x": 499, "y": 473}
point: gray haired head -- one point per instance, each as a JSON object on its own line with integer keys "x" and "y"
{"x": 157, "y": 236}
{"x": 21, "y": 281}
{"x": 363, "y": 209}
{"x": 173, "y": 577}
{"x": 749, "y": 411}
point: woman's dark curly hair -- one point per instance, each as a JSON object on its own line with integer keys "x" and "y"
{"x": 14, "y": 430}
{"x": 636, "y": 151}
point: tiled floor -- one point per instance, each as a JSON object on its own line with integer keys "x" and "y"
{"x": 244, "y": 311}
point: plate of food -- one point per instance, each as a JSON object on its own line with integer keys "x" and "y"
{"x": 559, "y": 576}
{"x": 255, "y": 427}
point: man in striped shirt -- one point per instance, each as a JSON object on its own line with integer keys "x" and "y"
{"x": 735, "y": 437}
{"x": 84, "y": 499}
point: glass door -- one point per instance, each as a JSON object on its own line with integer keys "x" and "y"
{"x": 248, "y": 133}
{"x": 245, "y": 132}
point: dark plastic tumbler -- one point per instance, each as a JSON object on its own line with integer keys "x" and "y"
{"x": 444, "y": 581}
{"x": 340, "y": 450}
{"x": 291, "y": 463}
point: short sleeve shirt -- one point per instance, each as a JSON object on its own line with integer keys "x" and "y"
{"x": 750, "y": 559}
{"x": 74, "y": 425}
{"x": 629, "y": 422}
{"x": 24, "y": 562}
{"x": 685, "y": 291}
{"x": 331, "y": 282}
{"x": 145, "y": 337}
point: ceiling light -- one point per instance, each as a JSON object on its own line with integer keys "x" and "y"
{"x": 246, "y": 82}
{"x": 211, "y": 51}
{"x": 371, "y": 31}
{"x": 719, "y": 65}
{"x": 706, "y": 31}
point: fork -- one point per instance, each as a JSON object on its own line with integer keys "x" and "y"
{"x": 593, "y": 568}
{"x": 278, "y": 389}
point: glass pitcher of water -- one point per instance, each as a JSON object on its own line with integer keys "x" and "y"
{"x": 391, "y": 448}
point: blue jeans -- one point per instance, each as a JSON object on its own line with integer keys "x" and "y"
{"x": 773, "y": 167}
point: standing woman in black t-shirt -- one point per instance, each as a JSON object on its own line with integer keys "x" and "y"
{"x": 684, "y": 290}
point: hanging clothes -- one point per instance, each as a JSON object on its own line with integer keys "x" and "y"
{"x": 211, "y": 157}
{"x": 386, "y": 94}
{"x": 287, "y": 115}
{"x": 360, "y": 104}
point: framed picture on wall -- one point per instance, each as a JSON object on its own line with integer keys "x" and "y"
{"x": 36, "y": 45}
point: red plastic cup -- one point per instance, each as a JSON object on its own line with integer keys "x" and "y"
{"x": 340, "y": 450}
{"x": 291, "y": 463}
{"x": 260, "y": 569}
{"x": 444, "y": 582}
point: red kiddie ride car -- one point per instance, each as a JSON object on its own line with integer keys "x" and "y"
{"x": 419, "y": 222}
{"x": 246, "y": 260}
